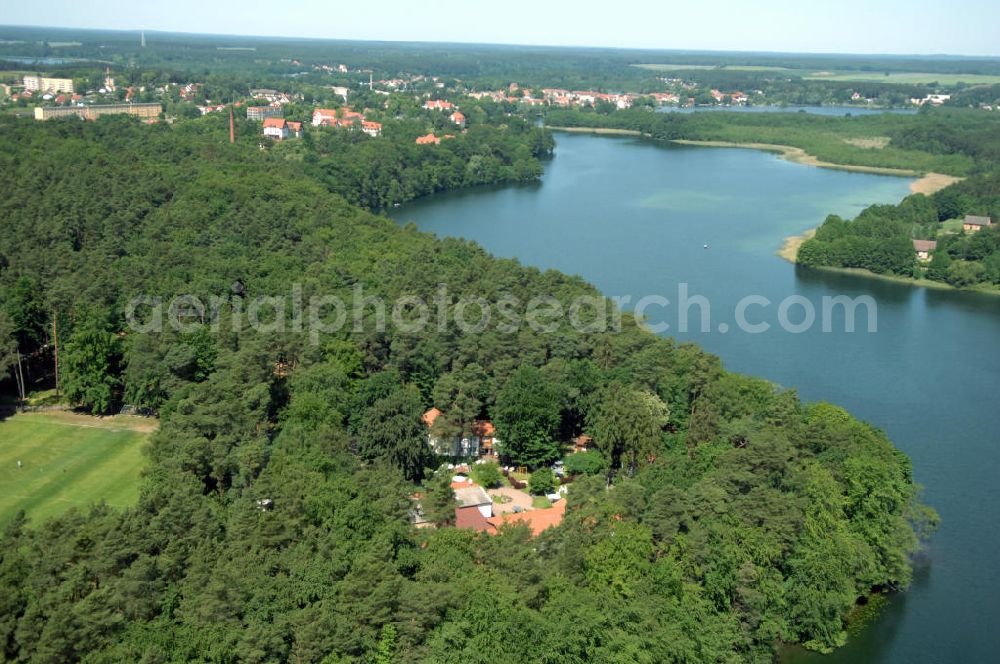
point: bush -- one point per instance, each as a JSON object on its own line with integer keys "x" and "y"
{"x": 542, "y": 481}
{"x": 486, "y": 475}
{"x": 584, "y": 463}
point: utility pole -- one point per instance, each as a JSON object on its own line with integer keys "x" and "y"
{"x": 19, "y": 376}
{"x": 55, "y": 348}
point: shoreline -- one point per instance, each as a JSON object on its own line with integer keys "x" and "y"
{"x": 608, "y": 131}
{"x": 800, "y": 156}
{"x": 927, "y": 184}
{"x": 790, "y": 246}
{"x": 916, "y": 283}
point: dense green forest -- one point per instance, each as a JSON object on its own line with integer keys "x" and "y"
{"x": 956, "y": 142}
{"x": 736, "y": 517}
{"x": 231, "y": 64}
{"x": 376, "y": 174}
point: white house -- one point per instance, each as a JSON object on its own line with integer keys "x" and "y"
{"x": 280, "y": 128}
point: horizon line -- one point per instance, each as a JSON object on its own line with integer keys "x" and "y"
{"x": 706, "y": 51}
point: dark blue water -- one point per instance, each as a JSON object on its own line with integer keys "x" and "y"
{"x": 633, "y": 218}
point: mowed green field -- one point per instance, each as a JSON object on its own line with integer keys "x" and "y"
{"x": 680, "y": 67}
{"x": 901, "y": 77}
{"x": 69, "y": 460}
{"x": 911, "y": 78}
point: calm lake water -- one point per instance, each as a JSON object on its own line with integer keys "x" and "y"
{"x": 633, "y": 218}
{"x": 816, "y": 110}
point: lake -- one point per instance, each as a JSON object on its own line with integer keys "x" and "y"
{"x": 634, "y": 218}
{"x": 815, "y": 110}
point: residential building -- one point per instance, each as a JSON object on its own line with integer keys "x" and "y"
{"x": 471, "y": 518}
{"x": 341, "y": 91}
{"x": 331, "y": 117}
{"x": 924, "y": 249}
{"x": 373, "y": 129}
{"x": 438, "y": 105}
{"x": 259, "y": 113}
{"x": 146, "y": 111}
{"x": 485, "y": 432}
{"x": 429, "y": 139}
{"x": 583, "y": 443}
{"x": 45, "y": 84}
{"x": 473, "y": 496}
{"x": 933, "y": 100}
{"x": 324, "y": 116}
{"x": 458, "y": 118}
{"x": 974, "y": 224}
{"x": 481, "y": 441}
{"x": 537, "y": 520}
{"x": 277, "y": 128}
{"x": 273, "y": 97}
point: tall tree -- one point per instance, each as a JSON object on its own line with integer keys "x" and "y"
{"x": 90, "y": 364}
{"x": 439, "y": 498}
{"x": 527, "y": 418}
{"x": 391, "y": 430}
{"x": 627, "y": 425}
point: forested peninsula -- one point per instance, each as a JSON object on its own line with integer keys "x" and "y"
{"x": 736, "y": 518}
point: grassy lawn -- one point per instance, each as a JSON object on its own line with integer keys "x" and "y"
{"x": 540, "y": 502}
{"x": 69, "y": 460}
{"x": 952, "y": 225}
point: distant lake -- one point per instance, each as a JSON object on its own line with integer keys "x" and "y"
{"x": 30, "y": 60}
{"x": 816, "y": 110}
{"x": 633, "y": 218}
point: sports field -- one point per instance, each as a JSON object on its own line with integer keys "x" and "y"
{"x": 69, "y": 460}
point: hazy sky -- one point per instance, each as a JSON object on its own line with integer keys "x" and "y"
{"x": 965, "y": 27}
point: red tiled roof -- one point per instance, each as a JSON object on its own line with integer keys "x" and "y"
{"x": 433, "y": 413}
{"x": 472, "y": 518}
{"x": 483, "y": 428}
{"x": 278, "y": 123}
{"x": 429, "y": 138}
{"x": 538, "y": 520}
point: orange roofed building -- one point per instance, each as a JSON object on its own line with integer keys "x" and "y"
{"x": 438, "y": 105}
{"x": 481, "y": 441}
{"x": 537, "y": 520}
{"x": 280, "y": 129}
{"x": 429, "y": 139}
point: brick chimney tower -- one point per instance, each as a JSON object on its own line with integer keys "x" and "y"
{"x": 232, "y": 126}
